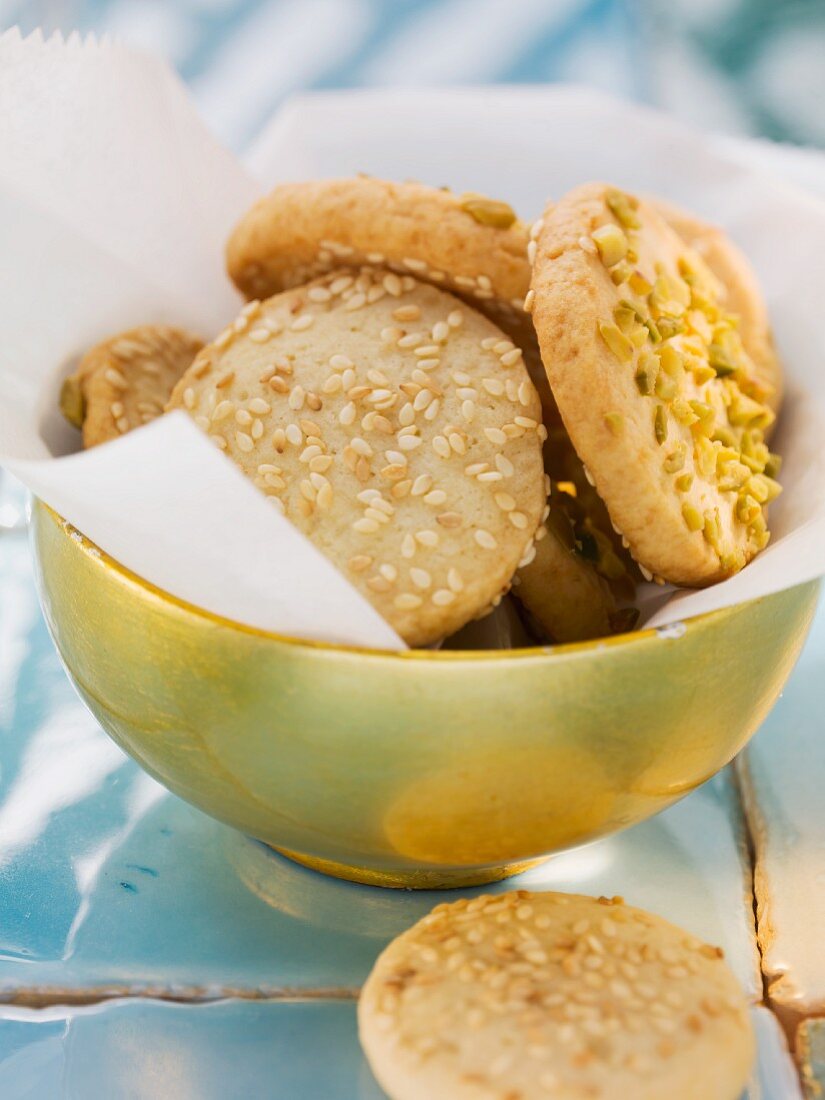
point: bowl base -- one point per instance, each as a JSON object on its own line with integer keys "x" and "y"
{"x": 413, "y": 879}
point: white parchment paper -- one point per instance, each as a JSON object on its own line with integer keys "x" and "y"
{"x": 115, "y": 204}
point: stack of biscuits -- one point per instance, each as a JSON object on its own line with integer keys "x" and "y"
{"x": 453, "y": 405}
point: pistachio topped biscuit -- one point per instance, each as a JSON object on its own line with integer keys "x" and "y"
{"x": 394, "y": 426}
{"x": 738, "y": 290}
{"x": 126, "y": 381}
{"x": 654, "y": 384}
{"x": 471, "y": 245}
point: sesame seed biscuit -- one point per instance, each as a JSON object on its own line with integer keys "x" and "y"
{"x": 656, "y": 390}
{"x": 742, "y": 294}
{"x": 533, "y": 995}
{"x": 126, "y": 381}
{"x": 397, "y": 428}
{"x": 473, "y": 246}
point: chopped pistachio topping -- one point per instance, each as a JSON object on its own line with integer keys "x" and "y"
{"x": 486, "y": 211}
{"x": 683, "y": 482}
{"x": 676, "y": 459}
{"x": 614, "y": 422}
{"x": 611, "y": 243}
{"x": 621, "y": 272}
{"x": 72, "y": 402}
{"x": 660, "y": 424}
{"x": 624, "y": 208}
{"x": 686, "y": 351}
{"x": 618, "y": 343}
{"x": 692, "y": 517}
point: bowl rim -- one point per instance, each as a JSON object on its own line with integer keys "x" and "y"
{"x": 672, "y": 632}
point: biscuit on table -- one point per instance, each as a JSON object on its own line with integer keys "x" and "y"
{"x": 395, "y": 427}
{"x": 657, "y": 392}
{"x": 473, "y": 246}
{"x": 533, "y": 995}
{"x": 126, "y": 381}
{"x": 742, "y": 294}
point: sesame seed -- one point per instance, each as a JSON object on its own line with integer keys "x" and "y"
{"x": 441, "y": 332}
{"x": 426, "y": 350}
{"x": 379, "y": 584}
{"x": 468, "y": 410}
{"x": 294, "y": 434}
{"x": 495, "y": 435}
{"x": 259, "y": 335}
{"x": 449, "y": 519}
{"x": 256, "y": 431}
{"x": 377, "y": 515}
{"x": 408, "y": 546}
{"x": 531, "y": 252}
{"x": 485, "y": 540}
{"x": 297, "y": 397}
{"x": 414, "y": 265}
{"x": 457, "y": 443}
{"x": 518, "y": 519}
{"x": 476, "y": 468}
{"x": 396, "y": 458}
{"x": 411, "y": 340}
{"x": 429, "y": 364}
{"x": 407, "y": 601}
{"x": 461, "y": 378}
{"x": 420, "y": 578}
{"x": 245, "y": 442}
{"x": 278, "y": 385}
{"x": 406, "y": 313}
{"x": 493, "y": 386}
{"x": 392, "y": 285}
{"x": 365, "y": 526}
{"x": 117, "y": 409}
{"x": 525, "y": 422}
{"x": 455, "y": 319}
{"x": 122, "y": 424}
{"x": 243, "y": 418}
{"x": 347, "y": 414}
{"x": 410, "y": 442}
{"x": 441, "y": 447}
{"x": 436, "y": 496}
{"x": 318, "y": 294}
{"x": 357, "y": 301}
{"x": 115, "y": 378}
{"x": 505, "y": 502}
{"x": 511, "y": 357}
{"x": 427, "y": 538}
{"x": 340, "y": 362}
{"x": 442, "y": 597}
{"x": 339, "y": 285}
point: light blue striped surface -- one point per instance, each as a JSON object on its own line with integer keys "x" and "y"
{"x": 744, "y": 66}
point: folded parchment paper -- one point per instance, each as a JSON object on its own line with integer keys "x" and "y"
{"x": 115, "y": 204}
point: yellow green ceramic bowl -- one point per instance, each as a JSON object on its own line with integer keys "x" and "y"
{"x": 418, "y": 768}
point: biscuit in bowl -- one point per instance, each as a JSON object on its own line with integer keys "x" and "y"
{"x": 654, "y": 384}
{"x": 126, "y": 381}
{"x": 394, "y": 426}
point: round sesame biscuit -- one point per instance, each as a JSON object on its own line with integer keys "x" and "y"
{"x": 397, "y": 428}
{"x": 658, "y": 394}
{"x": 126, "y": 381}
{"x": 531, "y": 995}
{"x": 739, "y": 289}
{"x": 473, "y": 246}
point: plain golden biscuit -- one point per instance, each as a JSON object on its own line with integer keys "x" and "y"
{"x": 126, "y": 381}
{"x": 536, "y": 995}
{"x": 468, "y": 244}
{"x": 396, "y": 427}
{"x": 657, "y": 392}
{"x": 742, "y": 294}
{"x": 581, "y": 581}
